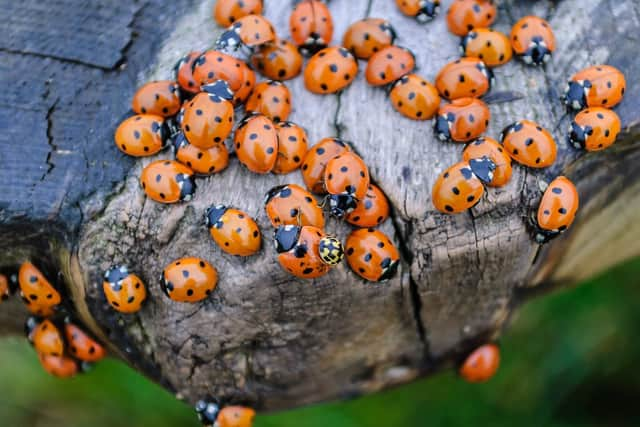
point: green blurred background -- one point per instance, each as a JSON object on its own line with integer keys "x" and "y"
{"x": 569, "y": 359}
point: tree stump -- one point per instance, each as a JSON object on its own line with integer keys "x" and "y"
{"x": 71, "y": 202}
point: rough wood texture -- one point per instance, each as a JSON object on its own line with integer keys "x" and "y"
{"x": 264, "y": 339}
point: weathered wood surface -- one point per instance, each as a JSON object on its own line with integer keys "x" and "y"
{"x": 71, "y": 200}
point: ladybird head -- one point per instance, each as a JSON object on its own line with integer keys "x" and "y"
{"x": 179, "y": 141}
{"x": 207, "y": 412}
{"x": 116, "y": 274}
{"x": 442, "y": 126}
{"x": 31, "y": 323}
{"x": 578, "y": 135}
{"x": 543, "y": 236}
{"x": 277, "y": 191}
{"x": 342, "y": 204}
{"x": 219, "y": 89}
{"x": 330, "y": 250}
{"x": 187, "y": 186}
{"x": 286, "y": 237}
{"x": 465, "y": 40}
{"x": 213, "y": 215}
{"x": 230, "y": 39}
{"x": 575, "y": 96}
{"x": 483, "y": 168}
{"x": 428, "y": 11}
{"x": 389, "y": 268}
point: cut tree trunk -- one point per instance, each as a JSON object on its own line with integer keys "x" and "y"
{"x": 72, "y": 204}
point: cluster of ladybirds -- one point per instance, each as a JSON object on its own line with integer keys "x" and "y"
{"x": 64, "y": 348}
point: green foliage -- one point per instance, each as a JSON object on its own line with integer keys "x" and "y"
{"x": 568, "y": 360}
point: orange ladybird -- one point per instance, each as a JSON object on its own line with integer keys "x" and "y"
{"x": 161, "y": 98}
{"x": 597, "y": 86}
{"x": 272, "y": 99}
{"x": 388, "y": 65}
{"x": 311, "y": 26}
{"x": 487, "y": 44}
{"x": 124, "y": 291}
{"x": 481, "y": 364}
{"x": 465, "y": 15}
{"x": 422, "y": 10}
{"x": 461, "y": 186}
{"x": 292, "y": 147}
{"x": 316, "y": 160}
{"x": 202, "y": 161}
{"x": 293, "y": 205}
{"x": 167, "y": 181}
{"x": 490, "y": 148}
{"x": 346, "y": 179}
{"x": 462, "y": 120}
{"x": 81, "y": 345}
{"x": 234, "y": 231}
{"x": 372, "y": 210}
{"x": 464, "y": 78}
{"x": 183, "y": 73}
{"x": 141, "y": 135}
{"x": 47, "y": 339}
{"x": 256, "y": 142}
{"x": 59, "y": 366}
{"x": 414, "y": 97}
{"x": 235, "y": 416}
{"x": 189, "y": 280}
{"x": 208, "y": 117}
{"x": 36, "y": 291}
{"x": 330, "y": 70}
{"x": 5, "y": 288}
{"x": 371, "y": 254}
{"x": 594, "y": 129}
{"x": 368, "y": 36}
{"x": 249, "y": 31}
{"x": 213, "y": 65}
{"x": 532, "y": 40}
{"x": 529, "y": 144}
{"x": 279, "y": 60}
{"x": 298, "y": 250}
{"x": 557, "y": 209}
{"x": 226, "y": 12}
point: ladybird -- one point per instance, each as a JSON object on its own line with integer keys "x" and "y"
{"x": 36, "y": 291}
{"x": 161, "y": 98}
{"x": 367, "y": 36}
{"x": 371, "y": 211}
{"x": 208, "y": 117}
{"x": 168, "y": 181}
{"x": 212, "y": 65}
{"x": 142, "y": 135}
{"x": 529, "y": 144}
{"x": 461, "y": 186}
{"x": 422, "y": 10}
{"x": 298, "y": 250}
{"x": 5, "y": 289}
{"x": 47, "y": 339}
{"x": 226, "y": 12}
{"x": 292, "y": 147}
{"x": 557, "y": 209}
{"x": 124, "y": 291}
{"x": 414, "y": 97}
{"x": 481, "y": 364}
{"x": 490, "y": 148}
{"x": 487, "y": 44}
{"x": 247, "y": 32}
{"x": 279, "y": 60}
{"x": 463, "y": 120}
{"x": 346, "y": 179}
{"x": 532, "y": 40}
{"x": 183, "y": 73}
{"x": 293, "y": 205}
{"x": 59, "y": 366}
{"x": 465, "y": 15}
{"x": 207, "y": 412}
{"x": 330, "y": 70}
{"x": 388, "y": 65}
{"x": 594, "y": 129}
{"x": 464, "y": 78}
{"x": 256, "y": 142}
{"x": 330, "y": 250}
{"x": 597, "y": 86}
{"x": 371, "y": 254}
{"x": 316, "y": 160}
{"x": 189, "y": 280}
{"x": 233, "y": 230}
{"x": 271, "y": 98}
{"x": 81, "y": 345}
{"x": 311, "y": 26}
{"x": 235, "y": 416}
{"x": 202, "y": 161}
